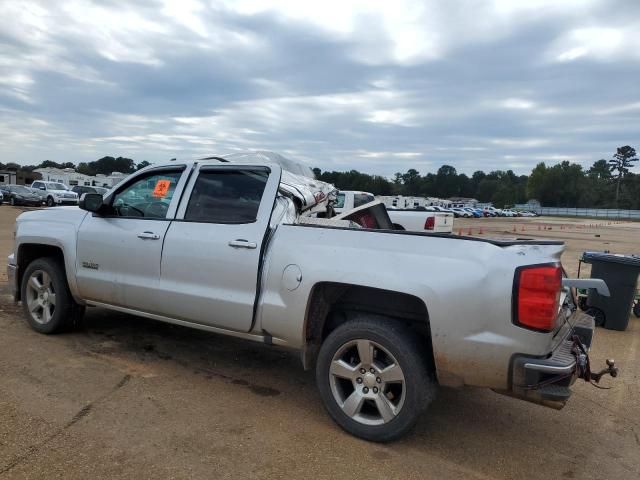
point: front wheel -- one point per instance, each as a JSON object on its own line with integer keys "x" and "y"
{"x": 373, "y": 378}
{"x": 50, "y": 202}
{"x": 46, "y": 300}
{"x": 12, "y": 202}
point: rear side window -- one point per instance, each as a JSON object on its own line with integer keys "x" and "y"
{"x": 227, "y": 196}
{"x": 362, "y": 198}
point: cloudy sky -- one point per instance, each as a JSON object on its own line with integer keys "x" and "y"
{"x": 380, "y": 86}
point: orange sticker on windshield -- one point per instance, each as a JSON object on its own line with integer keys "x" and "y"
{"x": 161, "y": 189}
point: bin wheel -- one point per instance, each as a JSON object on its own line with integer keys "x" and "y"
{"x": 636, "y": 309}
{"x": 597, "y": 314}
{"x": 582, "y": 303}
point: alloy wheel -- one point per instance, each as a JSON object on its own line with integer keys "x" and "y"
{"x": 41, "y": 297}
{"x": 367, "y": 382}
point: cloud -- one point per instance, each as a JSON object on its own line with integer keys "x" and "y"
{"x": 376, "y": 86}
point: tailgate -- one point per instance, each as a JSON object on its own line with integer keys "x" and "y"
{"x": 443, "y": 222}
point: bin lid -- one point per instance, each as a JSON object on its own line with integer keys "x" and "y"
{"x": 630, "y": 260}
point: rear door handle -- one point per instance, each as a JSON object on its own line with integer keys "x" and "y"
{"x": 241, "y": 243}
{"x": 148, "y": 236}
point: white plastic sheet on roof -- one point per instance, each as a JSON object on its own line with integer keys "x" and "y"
{"x": 297, "y": 179}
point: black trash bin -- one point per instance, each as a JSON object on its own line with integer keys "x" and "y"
{"x": 620, "y": 273}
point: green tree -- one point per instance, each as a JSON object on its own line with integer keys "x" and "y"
{"x": 85, "y": 169}
{"x": 411, "y": 182}
{"x": 142, "y": 165}
{"x": 621, "y": 163}
{"x": 600, "y": 170}
{"x": 447, "y": 181}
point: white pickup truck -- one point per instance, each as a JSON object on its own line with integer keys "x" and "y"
{"x": 415, "y": 220}
{"x": 230, "y": 245}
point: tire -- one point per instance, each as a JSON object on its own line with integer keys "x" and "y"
{"x": 12, "y": 202}
{"x": 597, "y": 314}
{"x": 636, "y": 309}
{"x": 50, "y": 202}
{"x": 43, "y": 280}
{"x": 394, "y": 349}
{"x": 582, "y": 303}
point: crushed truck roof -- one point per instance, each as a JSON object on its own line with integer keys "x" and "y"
{"x": 297, "y": 179}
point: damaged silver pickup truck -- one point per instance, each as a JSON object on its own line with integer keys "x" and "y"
{"x": 247, "y": 246}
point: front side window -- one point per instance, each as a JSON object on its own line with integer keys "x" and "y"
{"x": 148, "y": 196}
{"x": 227, "y": 196}
{"x": 340, "y": 200}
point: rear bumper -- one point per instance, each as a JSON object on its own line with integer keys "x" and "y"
{"x": 546, "y": 380}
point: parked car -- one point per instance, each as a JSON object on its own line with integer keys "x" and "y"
{"x": 39, "y": 193}
{"x": 528, "y": 214}
{"x": 436, "y": 208}
{"x": 233, "y": 248}
{"x": 417, "y": 220}
{"x": 474, "y": 212}
{"x": 101, "y": 190}
{"x": 20, "y": 195}
{"x": 56, "y": 193}
{"x": 461, "y": 212}
{"x": 80, "y": 189}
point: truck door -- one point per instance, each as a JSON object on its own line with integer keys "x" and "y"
{"x": 212, "y": 250}
{"x": 118, "y": 253}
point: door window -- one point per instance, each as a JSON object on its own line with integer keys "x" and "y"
{"x": 227, "y": 196}
{"x": 148, "y": 196}
{"x": 362, "y": 198}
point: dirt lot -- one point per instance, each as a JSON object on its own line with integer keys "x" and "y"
{"x": 129, "y": 398}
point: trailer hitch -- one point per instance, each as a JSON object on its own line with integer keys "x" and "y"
{"x": 583, "y": 364}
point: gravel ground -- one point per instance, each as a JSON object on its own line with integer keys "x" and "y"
{"x": 129, "y": 398}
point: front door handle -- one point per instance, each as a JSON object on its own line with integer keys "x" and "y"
{"x": 148, "y": 236}
{"x": 241, "y": 243}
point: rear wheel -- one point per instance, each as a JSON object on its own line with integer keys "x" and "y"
{"x": 597, "y": 314}
{"x": 582, "y": 303}
{"x": 46, "y": 299}
{"x": 373, "y": 378}
{"x": 12, "y": 202}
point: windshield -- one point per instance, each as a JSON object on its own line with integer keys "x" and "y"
{"x": 20, "y": 189}
{"x": 55, "y": 186}
{"x": 340, "y": 200}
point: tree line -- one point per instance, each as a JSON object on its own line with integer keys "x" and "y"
{"x": 104, "y": 165}
{"x": 606, "y": 184}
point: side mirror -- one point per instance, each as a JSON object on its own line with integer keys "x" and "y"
{"x": 91, "y": 202}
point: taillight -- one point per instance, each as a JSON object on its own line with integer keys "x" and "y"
{"x": 429, "y": 223}
{"x": 536, "y": 296}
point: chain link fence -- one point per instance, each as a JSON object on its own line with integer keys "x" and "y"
{"x": 583, "y": 212}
